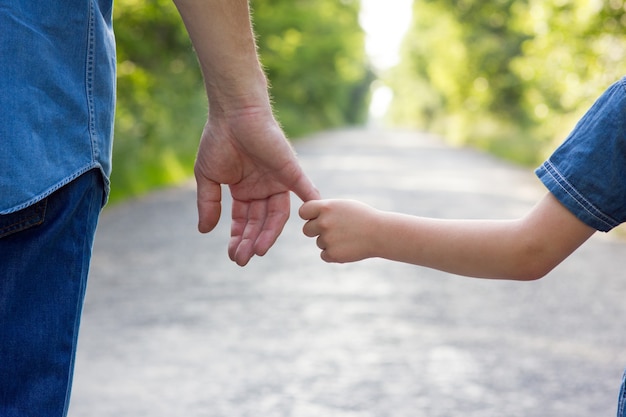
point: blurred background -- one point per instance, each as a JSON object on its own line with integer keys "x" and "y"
{"x": 172, "y": 327}
{"x": 507, "y": 76}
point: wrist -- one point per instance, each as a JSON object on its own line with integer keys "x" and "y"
{"x": 234, "y": 92}
{"x": 375, "y": 234}
{"x": 391, "y": 235}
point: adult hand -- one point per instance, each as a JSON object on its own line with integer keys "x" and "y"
{"x": 247, "y": 150}
{"x": 242, "y": 145}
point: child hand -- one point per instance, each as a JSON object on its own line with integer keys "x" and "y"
{"x": 345, "y": 228}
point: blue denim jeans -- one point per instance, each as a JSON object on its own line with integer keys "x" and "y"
{"x": 621, "y": 405}
{"x": 45, "y": 251}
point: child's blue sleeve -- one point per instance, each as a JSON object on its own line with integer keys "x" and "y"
{"x": 587, "y": 173}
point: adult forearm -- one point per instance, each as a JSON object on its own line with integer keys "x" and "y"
{"x": 223, "y": 39}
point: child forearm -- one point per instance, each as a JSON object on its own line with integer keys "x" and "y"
{"x": 521, "y": 249}
{"x": 477, "y": 248}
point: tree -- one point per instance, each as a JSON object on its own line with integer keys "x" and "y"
{"x": 161, "y": 104}
{"x": 314, "y": 54}
{"x": 315, "y": 60}
{"x": 510, "y": 76}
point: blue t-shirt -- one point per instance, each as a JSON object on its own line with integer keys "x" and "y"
{"x": 57, "y": 95}
{"x": 587, "y": 173}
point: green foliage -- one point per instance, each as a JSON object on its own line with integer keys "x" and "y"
{"x": 161, "y": 104}
{"x": 511, "y": 76}
{"x": 313, "y": 52}
{"x": 314, "y": 56}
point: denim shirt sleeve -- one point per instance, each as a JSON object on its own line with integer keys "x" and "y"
{"x": 587, "y": 173}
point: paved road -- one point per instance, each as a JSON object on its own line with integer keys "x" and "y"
{"x": 172, "y": 328}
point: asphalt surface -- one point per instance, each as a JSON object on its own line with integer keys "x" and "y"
{"x": 171, "y": 327}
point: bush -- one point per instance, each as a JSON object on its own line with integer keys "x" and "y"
{"x": 511, "y": 76}
{"x": 315, "y": 60}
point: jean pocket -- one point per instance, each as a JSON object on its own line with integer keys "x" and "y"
{"x": 21, "y": 220}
